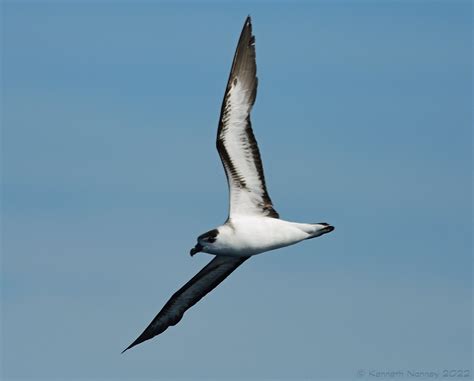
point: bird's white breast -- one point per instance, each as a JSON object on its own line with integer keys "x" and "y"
{"x": 250, "y": 235}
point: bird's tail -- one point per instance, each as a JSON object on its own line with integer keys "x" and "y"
{"x": 318, "y": 229}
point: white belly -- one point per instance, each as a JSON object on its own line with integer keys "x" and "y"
{"x": 246, "y": 236}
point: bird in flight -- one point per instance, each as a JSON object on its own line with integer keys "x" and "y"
{"x": 253, "y": 225}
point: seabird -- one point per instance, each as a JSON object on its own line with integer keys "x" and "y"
{"x": 253, "y": 225}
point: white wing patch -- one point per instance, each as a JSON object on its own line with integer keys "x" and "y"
{"x": 236, "y": 142}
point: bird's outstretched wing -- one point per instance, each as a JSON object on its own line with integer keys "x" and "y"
{"x": 236, "y": 142}
{"x": 187, "y": 296}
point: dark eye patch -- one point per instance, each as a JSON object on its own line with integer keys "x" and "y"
{"x": 209, "y": 236}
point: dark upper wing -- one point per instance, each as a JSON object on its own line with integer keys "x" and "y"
{"x": 236, "y": 142}
{"x": 187, "y": 296}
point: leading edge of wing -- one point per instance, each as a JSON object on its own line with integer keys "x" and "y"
{"x": 187, "y": 296}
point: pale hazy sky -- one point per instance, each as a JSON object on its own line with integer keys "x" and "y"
{"x": 363, "y": 118}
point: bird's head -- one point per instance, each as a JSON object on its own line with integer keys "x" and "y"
{"x": 205, "y": 242}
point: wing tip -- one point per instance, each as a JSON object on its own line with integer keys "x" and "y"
{"x": 140, "y": 339}
{"x": 150, "y": 332}
{"x": 248, "y": 21}
{"x": 247, "y": 30}
{"x": 248, "y": 24}
{"x": 130, "y": 346}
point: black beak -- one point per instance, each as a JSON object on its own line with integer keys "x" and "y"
{"x": 196, "y": 249}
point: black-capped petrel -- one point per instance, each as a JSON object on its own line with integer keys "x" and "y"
{"x": 253, "y": 225}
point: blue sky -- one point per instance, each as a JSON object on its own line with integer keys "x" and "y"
{"x": 363, "y": 118}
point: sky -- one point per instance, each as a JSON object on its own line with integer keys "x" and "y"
{"x": 109, "y": 173}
